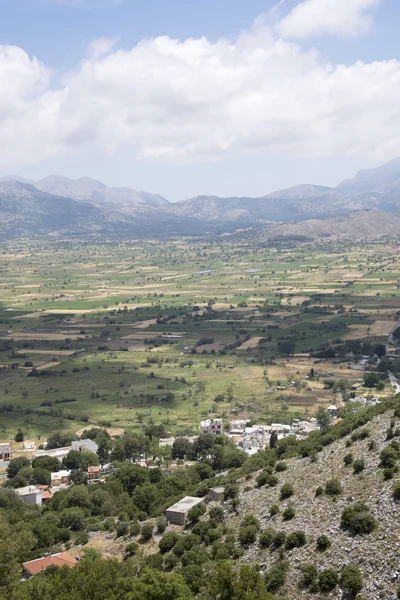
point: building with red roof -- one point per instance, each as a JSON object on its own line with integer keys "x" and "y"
{"x": 33, "y": 567}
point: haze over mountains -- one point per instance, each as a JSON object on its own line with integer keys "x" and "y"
{"x": 58, "y": 204}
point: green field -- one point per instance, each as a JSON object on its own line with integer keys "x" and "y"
{"x": 107, "y": 334}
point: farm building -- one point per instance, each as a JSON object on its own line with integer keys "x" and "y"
{"x": 178, "y": 513}
{"x": 211, "y": 426}
{"x": 5, "y": 452}
{"x": 93, "y": 474}
{"x": 33, "y": 567}
{"x": 216, "y": 494}
{"x": 60, "y": 478}
{"x": 30, "y": 495}
{"x": 84, "y": 446}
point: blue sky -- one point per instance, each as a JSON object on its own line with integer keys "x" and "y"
{"x": 192, "y": 118}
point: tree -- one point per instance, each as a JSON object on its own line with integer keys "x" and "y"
{"x": 323, "y": 417}
{"x": 286, "y": 347}
{"x": 286, "y": 491}
{"x": 147, "y": 532}
{"x": 168, "y": 541}
{"x": 323, "y": 543}
{"x": 16, "y": 464}
{"x": 371, "y": 380}
{"x": 351, "y": 580}
{"x": 248, "y": 535}
{"x": 328, "y": 580}
{"x": 333, "y": 487}
{"x": 196, "y": 512}
{"x": 19, "y": 436}
{"x": 273, "y": 440}
{"x": 181, "y": 448}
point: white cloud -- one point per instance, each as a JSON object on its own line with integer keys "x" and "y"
{"x": 347, "y": 18}
{"x": 195, "y": 100}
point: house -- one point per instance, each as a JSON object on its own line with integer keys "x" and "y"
{"x": 60, "y": 478}
{"x": 33, "y": 567}
{"x": 216, "y": 494}
{"x": 5, "y": 452}
{"x": 178, "y": 513}
{"x": 29, "y": 446}
{"x": 211, "y": 426}
{"x": 93, "y": 474}
{"x": 84, "y": 446}
{"x": 30, "y": 495}
{"x": 166, "y": 441}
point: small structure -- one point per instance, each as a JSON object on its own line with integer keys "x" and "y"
{"x": 178, "y": 513}
{"x": 29, "y": 446}
{"x": 5, "y": 452}
{"x": 84, "y": 446}
{"x": 30, "y": 495}
{"x": 33, "y": 567}
{"x": 166, "y": 441}
{"x": 211, "y": 426}
{"x": 93, "y": 474}
{"x": 59, "y": 453}
{"x": 60, "y": 478}
{"x": 216, "y": 494}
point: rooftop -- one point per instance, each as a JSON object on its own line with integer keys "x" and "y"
{"x": 185, "y": 504}
{"x": 59, "y": 560}
{"x": 27, "y": 490}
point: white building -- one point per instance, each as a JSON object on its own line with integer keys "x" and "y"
{"x": 30, "y": 495}
{"x": 211, "y": 426}
{"x": 29, "y": 446}
{"x": 59, "y": 453}
{"x": 84, "y": 446}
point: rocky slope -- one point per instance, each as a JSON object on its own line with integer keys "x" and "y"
{"x": 377, "y": 555}
{"x": 362, "y": 224}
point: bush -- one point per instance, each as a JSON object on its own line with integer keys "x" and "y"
{"x": 295, "y": 540}
{"x": 323, "y": 543}
{"x": 388, "y": 457}
{"x": 231, "y": 491}
{"x": 122, "y": 529}
{"x": 250, "y": 520}
{"x": 286, "y": 491}
{"x": 274, "y": 510}
{"x": 168, "y": 541}
{"x": 217, "y": 514}
{"x": 288, "y": 514}
{"x": 267, "y": 537}
{"x": 135, "y": 529}
{"x": 396, "y": 490}
{"x": 161, "y": 524}
{"x": 351, "y": 580}
{"x": 131, "y": 549}
{"x": 170, "y": 561}
{"x": 310, "y": 575}
{"x": 348, "y": 459}
{"x": 328, "y": 580}
{"x": 359, "y": 465}
{"x": 196, "y": 512}
{"x": 319, "y": 491}
{"x": 248, "y": 535}
{"x": 372, "y": 445}
{"x": 280, "y": 466}
{"x": 265, "y": 478}
{"x": 279, "y": 539}
{"x": 81, "y": 538}
{"x": 275, "y": 577}
{"x": 358, "y": 520}
{"x": 333, "y": 487}
{"x": 147, "y": 532}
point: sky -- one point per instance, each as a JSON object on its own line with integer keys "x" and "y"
{"x": 192, "y": 97}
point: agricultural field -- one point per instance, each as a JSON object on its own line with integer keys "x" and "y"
{"x": 127, "y": 334}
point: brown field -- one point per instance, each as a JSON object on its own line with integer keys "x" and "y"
{"x": 250, "y": 343}
{"x": 209, "y": 347}
{"x": 295, "y": 300}
{"x": 382, "y": 327}
{"x": 357, "y": 332}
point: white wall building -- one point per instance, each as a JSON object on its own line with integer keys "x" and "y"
{"x": 211, "y": 426}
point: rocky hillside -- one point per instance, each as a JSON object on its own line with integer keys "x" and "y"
{"x": 361, "y": 224}
{"x": 317, "y": 511}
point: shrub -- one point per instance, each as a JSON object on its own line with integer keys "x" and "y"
{"x": 196, "y": 512}
{"x": 250, "y": 520}
{"x": 357, "y": 519}
{"x": 286, "y": 491}
{"x": 388, "y": 474}
{"x": 265, "y": 478}
{"x": 147, "y": 532}
{"x": 161, "y": 524}
{"x": 309, "y": 575}
{"x": 135, "y": 529}
{"x": 348, "y": 459}
{"x": 288, "y": 514}
{"x": 279, "y": 539}
{"x": 275, "y": 577}
{"x": 295, "y": 540}
{"x": 372, "y": 445}
{"x": 274, "y": 510}
{"x": 319, "y": 491}
{"x": 81, "y": 538}
{"x": 323, "y": 542}
{"x": 122, "y": 529}
{"x": 280, "y": 466}
{"x": 333, "y": 487}
{"x": 359, "y": 465}
{"x": 388, "y": 457}
{"x": 217, "y": 514}
{"x": 131, "y": 549}
{"x": 396, "y": 490}
{"x": 168, "y": 541}
{"x": 231, "y": 491}
{"x": 267, "y": 537}
{"x": 248, "y": 535}
{"x": 351, "y": 580}
{"x": 170, "y": 561}
{"x": 328, "y": 580}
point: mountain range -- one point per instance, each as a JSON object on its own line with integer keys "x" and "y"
{"x": 85, "y": 206}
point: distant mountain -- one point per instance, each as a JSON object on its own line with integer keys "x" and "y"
{"x": 361, "y": 224}
{"x": 130, "y": 212}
